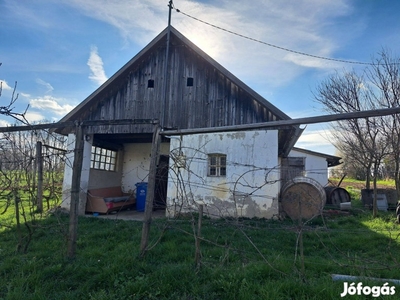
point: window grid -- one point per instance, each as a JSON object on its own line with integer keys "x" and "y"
{"x": 217, "y": 165}
{"x": 103, "y": 159}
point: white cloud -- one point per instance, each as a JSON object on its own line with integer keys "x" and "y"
{"x": 136, "y": 20}
{"x": 311, "y": 62}
{"x": 4, "y": 123}
{"x": 4, "y": 85}
{"x": 21, "y": 11}
{"x": 25, "y": 95}
{"x": 317, "y": 140}
{"x": 95, "y": 64}
{"x": 51, "y": 105}
{"x": 304, "y": 26}
{"x": 33, "y": 117}
{"x": 305, "y": 113}
{"x": 47, "y": 85}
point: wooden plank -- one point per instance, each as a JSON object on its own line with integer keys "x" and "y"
{"x": 291, "y": 122}
{"x": 72, "y": 124}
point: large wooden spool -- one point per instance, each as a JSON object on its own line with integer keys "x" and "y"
{"x": 302, "y": 198}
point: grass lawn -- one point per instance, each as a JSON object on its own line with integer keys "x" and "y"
{"x": 248, "y": 259}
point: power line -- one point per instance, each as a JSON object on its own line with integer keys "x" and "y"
{"x": 272, "y": 45}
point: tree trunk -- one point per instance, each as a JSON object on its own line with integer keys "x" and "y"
{"x": 368, "y": 178}
{"x": 374, "y": 206}
{"x": 397, "y": 175}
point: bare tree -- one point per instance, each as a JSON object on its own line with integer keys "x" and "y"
{"x": 362, "y": 140}
{"x": 384, "y": 74}
{"x": 9, "y": 109}
{"x": 355, "y": 138}
{"x": 18, "y": 171}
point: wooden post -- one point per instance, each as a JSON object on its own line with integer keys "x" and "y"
{"x": 16, "y": 203}
{"x": 301, "y": 247}
{"x": 155, "y": 153}
{"x": 75, "y": 191}
{"x": 374, "y": 199}
{"x": 198, "y": 235}
{"x": 17, "y": 200}
{"x": 39, "y": 162}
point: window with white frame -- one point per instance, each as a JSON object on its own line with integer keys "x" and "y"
{"x": 103, "y": 159}
{"x": 217, "y": 165}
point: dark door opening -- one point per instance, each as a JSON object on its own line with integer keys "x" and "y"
{"x": 160, "y": 192}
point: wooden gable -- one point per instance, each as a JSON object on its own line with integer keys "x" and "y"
{"x": 201, "y": 93}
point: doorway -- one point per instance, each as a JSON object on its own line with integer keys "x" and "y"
{"x": 161, "y": 183}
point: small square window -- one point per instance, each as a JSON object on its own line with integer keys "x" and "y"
{"x": 217, "y": 165}
{"x": 189, "y": 81}
{"x": 150, "y": 83}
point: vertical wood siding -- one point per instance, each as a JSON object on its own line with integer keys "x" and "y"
{"x": 213, "y": 100}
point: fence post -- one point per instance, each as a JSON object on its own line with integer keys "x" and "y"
{"x": 198, "y": 235}
{"x": 75, "y": 190}
{"x": 155, "y": 153}
{"x": 39, "y": 162}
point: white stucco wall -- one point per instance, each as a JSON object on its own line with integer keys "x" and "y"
{"x": 68, "y": 171}
{"x": 136, "y": 164}
{"x": 315, "y": 166}
{"x": 251, "y": 186}
{"x": 132, "y": 166}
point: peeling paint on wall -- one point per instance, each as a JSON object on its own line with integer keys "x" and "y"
{"x": 251, "y": 174}
{"x": 240, "y": 135}
{"x": 68, "y": 171}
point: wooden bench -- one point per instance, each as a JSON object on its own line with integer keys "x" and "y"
{"x": 105, "y": 200}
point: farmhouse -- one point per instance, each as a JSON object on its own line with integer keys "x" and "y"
{"x": 212, "y": 151}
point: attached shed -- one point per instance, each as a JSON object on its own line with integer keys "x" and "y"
{"x": 234, "y": 172}
{"x": 308, "y": 163}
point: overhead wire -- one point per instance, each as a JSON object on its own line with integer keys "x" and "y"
{"x": 272, "y": 45}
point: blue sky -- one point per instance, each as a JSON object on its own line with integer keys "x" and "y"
{"x": 60, "y": 51}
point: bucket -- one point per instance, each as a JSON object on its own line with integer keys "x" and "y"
{"x": 345, "y": 206}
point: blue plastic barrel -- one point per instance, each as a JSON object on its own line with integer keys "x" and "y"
{"x": 141, "y": 193}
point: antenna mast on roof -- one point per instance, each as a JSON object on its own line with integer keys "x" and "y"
{"x": 166, "y": 73}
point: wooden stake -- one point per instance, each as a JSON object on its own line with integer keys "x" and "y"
{"x": 39, "y": 162}
{"x": 75, "y": 190}
{"x": 198, "y": 235}
{"x": 151, "y": 184}
{"x": 16, "y": 203}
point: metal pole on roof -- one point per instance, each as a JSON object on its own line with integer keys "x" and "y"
{"x": 166, "y": 73}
